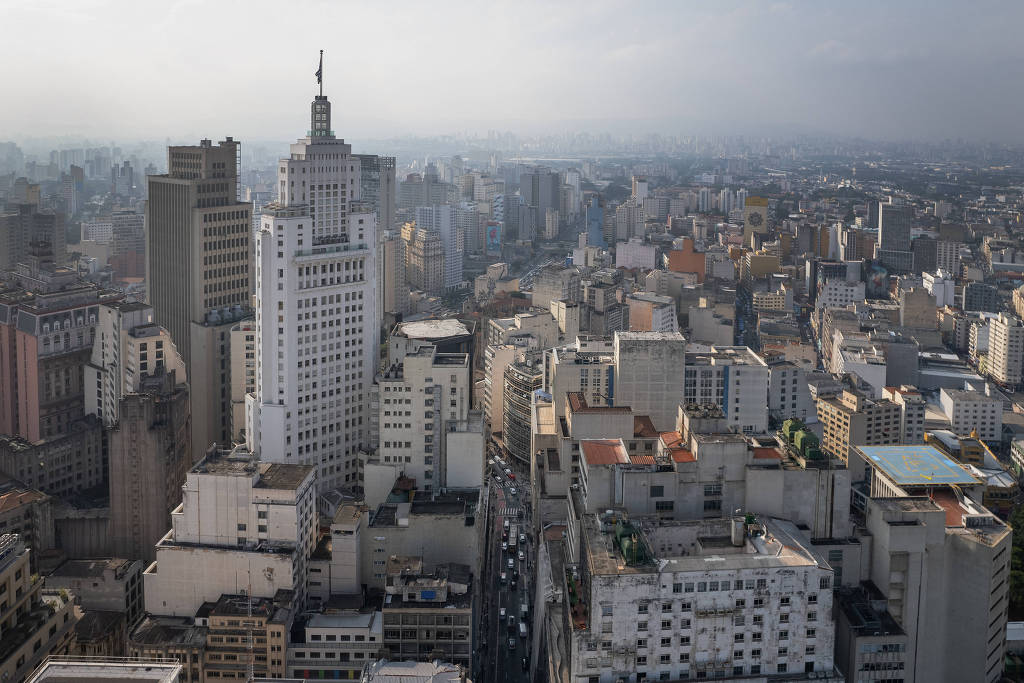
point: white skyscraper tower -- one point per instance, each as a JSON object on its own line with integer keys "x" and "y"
{"x": 316, "y": 332}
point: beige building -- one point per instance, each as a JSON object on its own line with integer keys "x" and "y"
{"x": 424, "y": 259}
{"x": 854, "y": 419}
{"x": 392, "y": 285}
{"x": 230, "y": 621}
{"x": 195, "y": 214}
{"x": 128, "y": 348}
{"x": 243, "y": 373}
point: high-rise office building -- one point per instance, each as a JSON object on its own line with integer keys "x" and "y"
{"x": 392, "y": 287}
{"x": 194, "y": 215}
{"x": 894, "y": 222}
{"x": 539, "y": 188}
{"x": 24, "y": 228}
{"x": 441, "y": 220}
{"x": 316, "y": 323}
{"x": 377, "y": 187}
{"x": 424, "y": 259}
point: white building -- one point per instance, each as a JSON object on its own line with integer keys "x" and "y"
{"x": 635, "y": 254}
{"x": 243, "y": 526}
{"x": 788, "y": 395}
{"x": 442, "y": 220}
{"x": 316, "y": 331}
{"x": 942, "y": 286}
{"x": 337, "y": 645}
{"x": 649, "y": 373}
{"x": 734, "y": 378}
{"x": 426, "y": 429}
{"x": 836, "y": 293}
{"x": 1005, "y": 349}
{"x": 127, "y": 347}
{"x": 586, "y": 366}
{"x": 972, "y": 411}
{"x": 705, "y": 599}
{"x": 97, "y": 231}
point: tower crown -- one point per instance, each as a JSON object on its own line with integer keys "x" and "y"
{"x": 320, "y": 118}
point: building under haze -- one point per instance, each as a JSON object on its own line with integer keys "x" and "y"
{"x": 316, "y": 324}
{"x": 198, "y": 254}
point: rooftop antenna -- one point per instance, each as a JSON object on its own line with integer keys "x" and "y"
{"x": 320, "y": 74}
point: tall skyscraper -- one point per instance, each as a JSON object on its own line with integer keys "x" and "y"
{"x": 894, "y": 222}
{"x": 441, "y": 219}
{"x": 316, "y": 323}
{"x": 377, "y": 187}
{"x": 197, "y": 250}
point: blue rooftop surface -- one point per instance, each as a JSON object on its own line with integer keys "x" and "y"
{"x": 916, "y": 465}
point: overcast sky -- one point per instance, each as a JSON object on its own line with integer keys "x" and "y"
{"x": 209, "y": 68}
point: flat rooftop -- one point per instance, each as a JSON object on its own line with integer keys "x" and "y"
{"x": 285, "y": 477}
{"x": 105, "y": 670}
{"x": 433, "y": 329}
{"x": 918, "y": 465}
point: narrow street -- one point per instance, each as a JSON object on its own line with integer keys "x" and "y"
{"x": 508, "y": 577}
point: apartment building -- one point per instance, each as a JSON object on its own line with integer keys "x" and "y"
{"x": 586, "y": 366}
{"x": 648, "y": 604}
{"x": 336, "y": 645}
{"x": 424, "y": 420}
{"x": 243, "y": 373}
{"x": 428, "y": 615}
{"x": 734, "y": 378}
{"x": 973, "y": 413}
{"x": 243, "y": 525}
{"x": 1005, "y": 350}
{"x": 855, "y": 419}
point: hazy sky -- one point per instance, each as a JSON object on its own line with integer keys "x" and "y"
{"x": 124, "y": 69}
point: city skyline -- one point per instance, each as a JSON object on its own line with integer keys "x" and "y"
{"x": 737, "y": 68}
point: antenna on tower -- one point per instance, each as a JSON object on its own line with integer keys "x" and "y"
{"x": 320, "y": 74}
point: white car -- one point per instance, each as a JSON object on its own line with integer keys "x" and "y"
{"x": 499, "y": 480}
{"x": 508, "y": 471}
{"x": 512, "y": 492}
{"x": 501, "y": 614}
{"x": 511, "y": 563}
{"x": 504, "y": 545}
{"x": 521, "y": 556}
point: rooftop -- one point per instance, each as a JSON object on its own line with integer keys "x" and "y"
{"x": 433, "y": 329}
{"x": 604, "y": 451}
{"x": 90, "y": 568}
{"x": 105, "y": 670}
{"x": 919, "y": 465}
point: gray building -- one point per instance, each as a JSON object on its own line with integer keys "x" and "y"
{"x": 194, "y": 214}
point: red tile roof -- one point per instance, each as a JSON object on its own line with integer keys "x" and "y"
{"x": 643, "y": 428}
{"x": 673, "y": 443}
{"x": 642, "y": 459}
{"x": 604, "y": 451}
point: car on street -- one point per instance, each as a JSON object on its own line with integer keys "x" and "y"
{"x": 522, "y": 556}
{"x": 511, "y": 476}
{"x": 512, "y": 644}
{"x": 513, "y": 584}
{"x": 506, "y": 524}
{"x": 511, "y": 563}
{"x": 508, "y": 471}
{"x": 501, "y": 614}
{"x": 499, "y": 480}
{"x": 504, "y": 545}
{"x": 515, "y": 574}
{"x": 526, "y": 664}
{"x": 504, "y": 577}
{"x": 522, "y": 538}
{"x": 512, "y": 492}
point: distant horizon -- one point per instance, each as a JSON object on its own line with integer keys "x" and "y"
{"x": 405, "y": 69}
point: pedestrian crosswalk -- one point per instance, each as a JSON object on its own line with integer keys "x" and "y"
{"x": 508, "y": 511}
